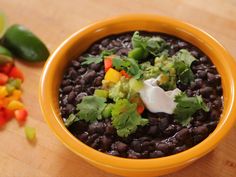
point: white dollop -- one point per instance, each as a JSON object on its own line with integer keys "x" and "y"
{"x": 156, "y": 99}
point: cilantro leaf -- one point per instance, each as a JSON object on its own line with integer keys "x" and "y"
{"x": 183, "y": 60}
{"x": 92, "y": 59}
{"x": 125, "y": 118}
{"x": 91, "y": 107}
{"x": 187, "y": 106}
{"x": 127, "y": 64}
{"x": 97, "y": 59}
{"x": 150, "y": 45}
{"x": 71, "y": 119}
{"x": 185, "y": 56}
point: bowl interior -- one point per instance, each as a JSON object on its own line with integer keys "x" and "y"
{"x": 80, "y": 41}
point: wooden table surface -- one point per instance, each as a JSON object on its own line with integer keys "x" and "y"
{"x": 53, "y": 21}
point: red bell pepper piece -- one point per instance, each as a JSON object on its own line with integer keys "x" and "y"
{"x": 108, "y": 62}
{"x": 21, "y": 115}
{"x": 124, "y": 73}
{"x": 6, "y": 68}
{"x": 3, "y": 79}
{"x": 16, "y": 73}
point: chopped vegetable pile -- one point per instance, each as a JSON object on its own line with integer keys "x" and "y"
{"x": 16, "y": 42}
{"x": 119, "y": 98}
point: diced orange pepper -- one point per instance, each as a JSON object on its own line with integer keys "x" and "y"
{"x": 16, "y": 95}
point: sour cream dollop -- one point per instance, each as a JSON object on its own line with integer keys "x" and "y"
{"x": 156, "y": 99}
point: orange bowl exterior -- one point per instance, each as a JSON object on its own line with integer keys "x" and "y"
{"x": 81, "y": 40}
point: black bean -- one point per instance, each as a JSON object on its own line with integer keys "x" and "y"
{"x": 66, "y": 82}
{"x": 71, "y": 97}
{"x": 198, "y": 83}
{"x": 89, "y": 76}
{"x": 182, "y": 134}
{"x": 156, "y": 154}
{"x": 123, "y": 51}
{"x": 82, "y": 70}
{"x": 64, "y": 100}
{"x": 114, "y": 153}
{"x": 105, "y": 42}
{"x": 136, "y": 145}
{"x": 182, "y": 44}
{"x": 116, "y": 43}
{"x": 204, "y": 59}
{"x": 106, "y": 142}
{"x": 95, "y": 66}
{"x": 164, "y": 147}
{"x": 98, "y": 81}
{"x": 211, "y": 126}
{"x": 153, "y": 130}
{"x": 80, "y": 96}
{"x": 110, "y": 130}
{"x": 206, "y": 91}
{"x": 78, "y": 88}
{"x": 180, "y": 149}
{"x": 67, "y": 89}
{"x": 200, "y": 130}
{"x": 84, "y": 136}
{"x": 212, "y": 97}
{"x": 195, "y": 53}
{"x": 91, "y": 90}
{"x": 120, "y": 146}
{"x": 94, "y": 49}
{"x": 169, "y": 130}
{"x": 163, "y": 123}
{"x": 96, "y": 127}
{"x": 202, "y": 74}
{"x": 214, "y": 115}
{"x": 75, "y": 63}
{"x": 92, "y": 138}
{"x": 70, "y": 108}
{"x": 133, "y": 155}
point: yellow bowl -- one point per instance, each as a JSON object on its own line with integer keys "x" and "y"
{"x": 81, "y": 40}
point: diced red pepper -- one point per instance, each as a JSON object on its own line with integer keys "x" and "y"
{"x": 140, "y": 106}
{"x": 3, "y": 79}
{"x": 9, "y": 114}
{"x": 6, "y": 68}
{"x": 21, "y": 115}
{"x": 124, "y": 73}
{"x": 16, "y": 73}
{"x": 108, "y": 62}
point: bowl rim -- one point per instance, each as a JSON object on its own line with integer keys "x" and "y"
{"x": 102, "y": 159}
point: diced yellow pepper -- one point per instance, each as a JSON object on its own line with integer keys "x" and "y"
{"x": 3, "y": 91}
{"x": 14, "y": 105}
{"x": 112, "y": 75}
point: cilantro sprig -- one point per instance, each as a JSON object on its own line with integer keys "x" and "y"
{"x": 149, "y": 45}
{"x": 127, "y": 64}
{"x": 98, "y": 58}
{"x": 182, "y": 61}
{"x": 125, "y": 118}
{"x": 187, "y": 106}
{"x": 91, "y": 107}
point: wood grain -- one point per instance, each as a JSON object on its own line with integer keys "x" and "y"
{"x": 53, "y": 21}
